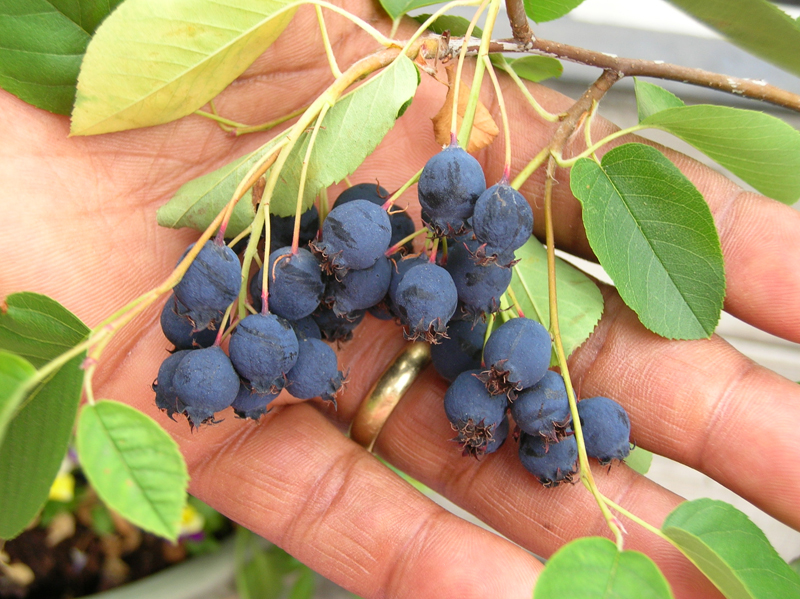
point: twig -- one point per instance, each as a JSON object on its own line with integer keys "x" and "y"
{"x": 519, "y": 21}
{"x": 634, "y": 67}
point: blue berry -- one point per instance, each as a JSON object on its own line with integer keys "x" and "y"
{"x": 337, "y": 328}
{"x": 502, "y": 222}
{"x": 473, "y": 413}
{"x": 179, "y": 330}
{"x": 263, "y": 348}
{"x": 210, "y": 284}
{"x": 499, "y": 436}
{"x": 206, "y": 383}
{"x": 517, "y": 355}
{"x": 461, "y": 350}
{"x": 479, "y": 286}
{"x": 251, "y": 404}
{"x": 606, "y": 429}
{"x": 372, "y": 192}
{"x": 426, "y": 299}
{"x": 448, "y": 188}
{"x": 295, "y": 283}
{"x": 354, "y": 236}
{"x": 281, "y": 228}
{"x": 306, "y": 328}
{"x": 543, "y": 409}
{"x": 166, "y": 397}
{"x": 400, "y": 266}
{"x": 360, "y": 289}
{"x": 551, "y": 463}
{"x": 315, "y": 374}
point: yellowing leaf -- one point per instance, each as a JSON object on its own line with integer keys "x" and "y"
{"x": 152, "y": 61}
{"x": 484, "y": 129}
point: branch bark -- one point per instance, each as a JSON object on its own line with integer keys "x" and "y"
{"x": 632, "y": 67}
{"x": 520, "y": 27}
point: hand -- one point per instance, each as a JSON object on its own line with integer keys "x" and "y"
{"x": 80, "y": 227}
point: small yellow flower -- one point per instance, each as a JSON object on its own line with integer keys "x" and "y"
{"x": 63, "y": 487}
{"x": 192, "y": 521}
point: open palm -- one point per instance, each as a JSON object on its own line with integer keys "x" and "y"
{"x": 79, "y": 225}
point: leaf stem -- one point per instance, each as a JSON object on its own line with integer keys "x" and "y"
{"x": 567, "y": 162}
{"x": 394, "y": 248}
{"x": 530, "y": 168}
{"x": 376, "y": 35}
{"x": 585, "y": 471}
{"x": 509, "y": 70}
{"x": 503, "y": 115}
{"x": 634, "y": 518}
{"x": 393, "y": 198}
{"x": 571, "y": 120}
{"x": 513, "y": 297}
{"x": 301, "y": 188}
{"x": 229, "y": 124}
{"x": 477, "y": 78}
{"x": 327, "y": 43}
{"x": 459, "y": 69}
{"x": 245, "y": 129}
{"x": 587, "y": 127}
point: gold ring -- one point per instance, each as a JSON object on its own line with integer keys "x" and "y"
{"x": 386, "y": 393}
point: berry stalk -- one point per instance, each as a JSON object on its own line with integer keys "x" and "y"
{"x": 303, "y": 177}
{"x": 477, "y": 78}
{"x": 459, "y": 70}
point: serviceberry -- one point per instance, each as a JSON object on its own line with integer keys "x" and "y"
{"x": 606, "y": 429}
{"x": 448, "y": 188}
{"x": 551, "y": 463}
{"x": 263, "y": 348}
{"x": 210, "y": 284}
{"x": 426, "y": 299}
{"x": 473, "y": 413}
{"x": 354, "y": 236}
{"x": 205, "y": 383}
{"x": 517, "y": 356}
{"x": 543, "y": 409}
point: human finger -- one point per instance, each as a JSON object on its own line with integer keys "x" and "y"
{"x": 294, "y": 478}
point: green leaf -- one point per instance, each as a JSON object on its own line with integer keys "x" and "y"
{"x": 457, "y": 26}
{"x": 757, "y": 26}
{"x": 654, "y": 234}
{"x": 580, "y": 303}
{"x": 152, "y": 62}
{"x": 258, "y": 578}
{"x": 593, "y": 568}
{"x": 305, "y": 585}
{"x": 760, "y": 148}
{"x": 198, "y": 202}
{"x": 532, "y": 68}
{"x": 730, "y": 550}
{"x": 43, "y": 42}
{"x": 134, "y": 466}
{"x": 16, "y": 375}
{"x": 651, "y": 98}
{"x": 350, "y": 132}
{"x": 38, "y": 329}
{"x": 549, "y": 10}
{"x": 397, "y": 8}
{"x": 795, "y": 563}
{"x": 639, "y": 460}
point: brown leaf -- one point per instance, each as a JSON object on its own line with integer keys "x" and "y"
{"x": 484, "y": 129}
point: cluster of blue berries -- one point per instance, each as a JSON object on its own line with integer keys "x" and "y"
{"x": 268, "y": 350}
{"x": 509, "y": 373}
{"x": 360, "y": 259}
